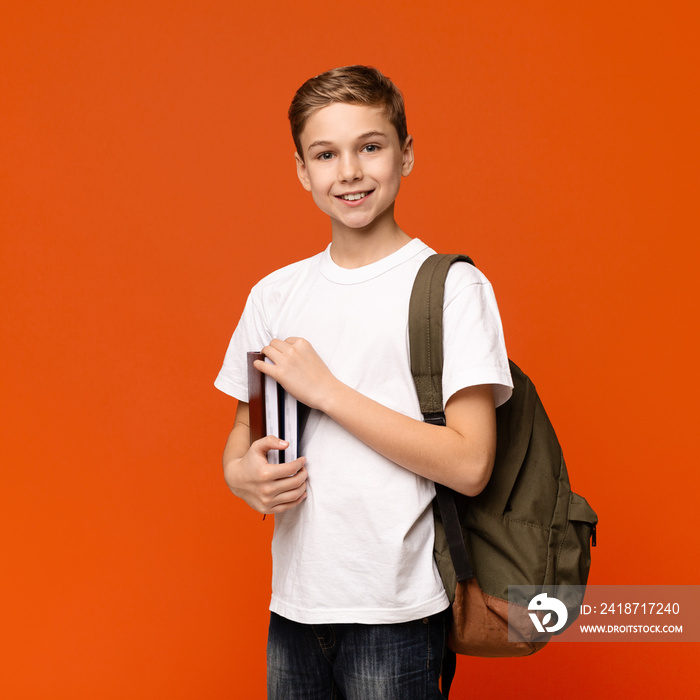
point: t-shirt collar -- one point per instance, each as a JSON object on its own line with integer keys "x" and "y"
{"x": 341, "y": 275}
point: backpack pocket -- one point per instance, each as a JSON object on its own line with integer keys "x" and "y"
{"x": 574, "y": 559}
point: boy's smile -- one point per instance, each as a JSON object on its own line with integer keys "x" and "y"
{"x": 352, "y": 165}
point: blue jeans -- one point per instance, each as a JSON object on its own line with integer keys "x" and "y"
{"x": 356, "y": 662}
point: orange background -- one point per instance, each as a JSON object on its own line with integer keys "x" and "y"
{"x": 147, "y": 181}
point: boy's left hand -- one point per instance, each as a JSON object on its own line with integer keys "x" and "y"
{"x": 299, "y": 369}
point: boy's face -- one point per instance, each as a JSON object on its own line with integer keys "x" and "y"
{"x": 353, "y": 163}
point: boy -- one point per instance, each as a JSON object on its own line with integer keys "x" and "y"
{"x": 358, "y": 609}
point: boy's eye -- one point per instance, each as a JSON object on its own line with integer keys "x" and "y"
{"x": 324, "y": 156}
{"x": 371, "y": 148}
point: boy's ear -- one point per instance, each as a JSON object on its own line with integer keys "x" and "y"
{"x": 301, "y": 172}
{"x": 407, "y": 163}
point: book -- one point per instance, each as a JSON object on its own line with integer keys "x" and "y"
{"x": 273, "y": 411}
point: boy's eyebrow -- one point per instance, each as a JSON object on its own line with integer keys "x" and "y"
{"x": 370, "y": 134}
{"x": 361, "y": 137}
{"x": 318, "y": 143}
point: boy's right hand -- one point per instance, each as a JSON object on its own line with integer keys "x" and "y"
{"x": 267, "y": 488}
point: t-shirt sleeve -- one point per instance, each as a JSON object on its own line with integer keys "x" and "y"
{"x": 473, "y": 344}
{"x": 251, "y": 335}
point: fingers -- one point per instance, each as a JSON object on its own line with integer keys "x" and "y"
{"x": 293, "y": 468}
{"x": 290, "y": 488}
{"x": 288, "y": 505}
{"x": 278, "y": 347}
{"x": 274, "y": 472}
{"x": 283, "y": 345}
{"x": 274, "y": 479}
{"x": 285, "y": 492}
{"x": 275, "y": 349}
{"x": 270, "y": 368}
{"x": 267, "y": 443}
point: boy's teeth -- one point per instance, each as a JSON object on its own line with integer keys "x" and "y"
{"x": 353, "y": 197}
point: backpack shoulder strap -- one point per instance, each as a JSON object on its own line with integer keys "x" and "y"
{"x": 425, "y": 330}
{"x": 425, "y": 338}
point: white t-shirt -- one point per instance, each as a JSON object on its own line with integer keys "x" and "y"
{"x": 360, "y": 547}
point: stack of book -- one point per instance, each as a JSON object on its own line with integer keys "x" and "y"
{"x": 273, "y": 411}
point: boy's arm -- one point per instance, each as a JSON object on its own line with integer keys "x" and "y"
{"x": 459, "y": 455}
{"x": 268, "y": 488}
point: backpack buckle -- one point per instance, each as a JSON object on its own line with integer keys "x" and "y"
{"x": 434, "y": 418}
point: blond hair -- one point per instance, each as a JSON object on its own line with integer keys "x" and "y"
{"x": 361, "y": 85}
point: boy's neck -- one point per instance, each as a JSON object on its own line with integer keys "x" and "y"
{"x": 353, "y": 248}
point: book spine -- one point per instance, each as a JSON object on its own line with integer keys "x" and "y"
{"x": 256, "y": 398}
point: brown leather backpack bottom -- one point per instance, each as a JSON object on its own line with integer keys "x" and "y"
{"x": 480, "y": 625}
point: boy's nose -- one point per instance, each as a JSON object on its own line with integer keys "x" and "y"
{"x": 349, "y": 169}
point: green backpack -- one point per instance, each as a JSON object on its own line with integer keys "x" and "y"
{"x": 526, "y": 528}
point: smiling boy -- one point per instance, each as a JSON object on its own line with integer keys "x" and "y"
{"x": 358, "y": 609}
{"x": 352, "y": 162}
